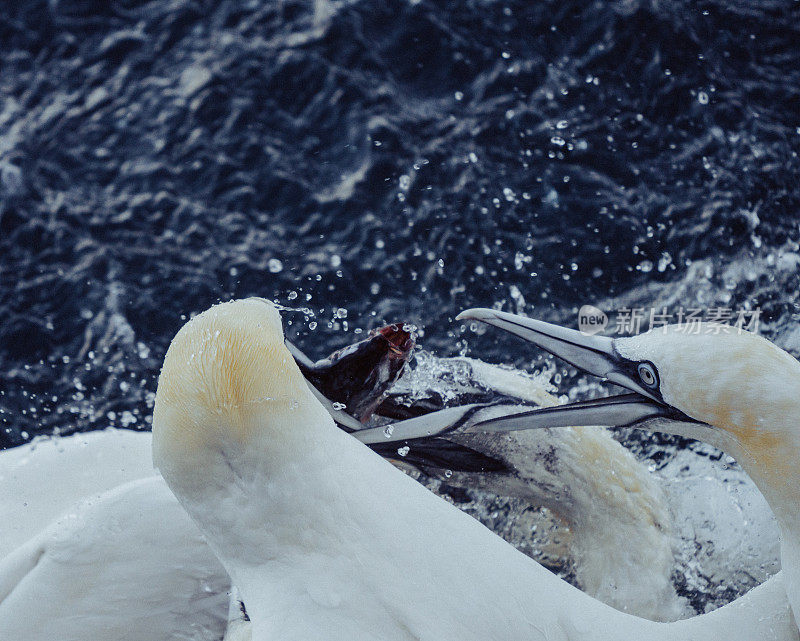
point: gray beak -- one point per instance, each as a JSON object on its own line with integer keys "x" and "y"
{"x": 591, "y": 354}
{"x": 620, "y": 411}
{"x": 594, "y": 355}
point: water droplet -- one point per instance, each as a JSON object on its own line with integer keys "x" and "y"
{"x": 274, "y": 266}
{"x": 448, "y": 473}
{"x": 403, "y": 451}
{"x": 702, "y": 98}
{"x": 338, "y": 406}
{"x": 387, "y": 431}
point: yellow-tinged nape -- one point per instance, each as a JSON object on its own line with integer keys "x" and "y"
{"x": 224, "y": 372}
{"x": 748, "y": 390}
{"x": 736, "y": 381}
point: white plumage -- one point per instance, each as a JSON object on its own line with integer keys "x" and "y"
{"x": 326, "y": 540}
{"x": 127, "y": 565}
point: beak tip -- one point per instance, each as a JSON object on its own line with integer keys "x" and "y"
{"x": 476, "y": 313}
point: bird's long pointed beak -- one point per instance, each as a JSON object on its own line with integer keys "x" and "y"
{"x": 439, "y": 423}
{"x": 622, "y": 410}
{"x": 591, "y": 354}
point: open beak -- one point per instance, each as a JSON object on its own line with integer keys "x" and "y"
{"x": 594, "y": 355}
{"x": 591, "y": 354}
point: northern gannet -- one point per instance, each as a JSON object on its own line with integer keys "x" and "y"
{"x": 720, "y": 384}
{"x": 327, "y": 540}
{"x": 125, "y": 565}
{"x": 619, "y": 526}
{"x": 548, "y": 470}
{"x": 91, "y": 530}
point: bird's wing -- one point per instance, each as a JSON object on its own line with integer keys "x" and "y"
{"x": 128, "y": 565}
{"x": 42, "y": 479}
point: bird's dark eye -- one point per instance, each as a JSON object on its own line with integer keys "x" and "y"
{"x": 648, "y": 375}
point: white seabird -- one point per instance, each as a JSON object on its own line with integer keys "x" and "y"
{"x": 325, "y": 539}
{"x": 716, "y": 383}
{"x": 125, "y": 565}
{"x": 616, "y": 513}
{"x": 47, "y": 479}
{"x": 94, "y": 546}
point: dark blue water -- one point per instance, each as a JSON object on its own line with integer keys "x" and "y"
{"x": 377, "y": 162}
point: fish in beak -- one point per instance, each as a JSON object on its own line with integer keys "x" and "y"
{"x": 357, "y": 377}
{"x": 642, "y": 406}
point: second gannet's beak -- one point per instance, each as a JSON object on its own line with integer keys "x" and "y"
{"x": 591, "y": 354}
{"x": 595, "y": 355}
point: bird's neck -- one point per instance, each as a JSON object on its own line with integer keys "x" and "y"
{"x": 784, "y": 499}
{"x": 772, "y": 460}
{"x": 783, "y": 495}
{"x": 264, "y": 509}
{"x": 775, "y": 470}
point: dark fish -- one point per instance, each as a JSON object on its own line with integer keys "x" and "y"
{"x": 360, "y": 377}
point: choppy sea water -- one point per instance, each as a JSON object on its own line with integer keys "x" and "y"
{"x": 368, "y": 163}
